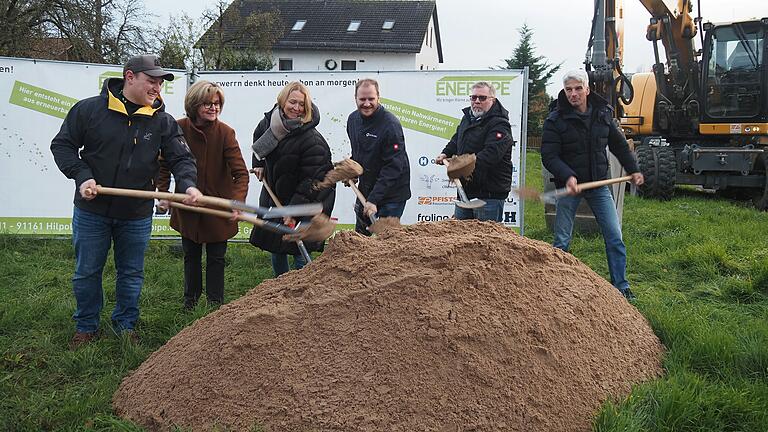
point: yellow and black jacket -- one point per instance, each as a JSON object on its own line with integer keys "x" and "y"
{"x": 100, "y": 140}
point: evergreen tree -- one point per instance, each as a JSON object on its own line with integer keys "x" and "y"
{"x": 539, "y": 73}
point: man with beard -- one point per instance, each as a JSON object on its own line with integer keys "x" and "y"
{"x": 485, "y": 132}
{"x": 378, "y": 145}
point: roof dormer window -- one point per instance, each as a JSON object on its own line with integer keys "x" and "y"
{"x": 353, "y": 26}
{"x": 299, "y": 25}
{"x": 388, "y": 25}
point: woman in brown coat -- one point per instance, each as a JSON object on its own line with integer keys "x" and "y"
{"x": 221, "y": 172}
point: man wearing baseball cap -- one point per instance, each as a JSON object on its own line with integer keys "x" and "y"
{"x": 115, "y": 139}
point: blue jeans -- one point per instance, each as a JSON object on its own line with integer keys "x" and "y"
{"x": 601, "y": 202}
{"x": 92, "y": 236}
{"x": 280, "y": 263}
{"x": 493, "y": 210}
{"x": 391, "y": 209}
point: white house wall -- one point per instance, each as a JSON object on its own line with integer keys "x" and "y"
{"x": 365, "y": 61}
{"x": 428, "y": 59}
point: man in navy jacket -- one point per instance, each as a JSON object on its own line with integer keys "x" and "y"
{"x": 378, "y": 144}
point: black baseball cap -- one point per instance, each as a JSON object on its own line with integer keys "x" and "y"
{"x": 149, "y": 64}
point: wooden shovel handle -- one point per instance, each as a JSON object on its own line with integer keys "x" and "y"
{"x": 597, "y": 184}
{"x": 177, "y": 197}
{"x": 357, "y": 192}
{"x": 274, "y": 197}
{"x": 374, "y": 217}
{"x": 221, "y": 213}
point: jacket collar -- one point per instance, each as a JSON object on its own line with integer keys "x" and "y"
{"x": 312, "y": 123}
{"x": 497, "y": 110}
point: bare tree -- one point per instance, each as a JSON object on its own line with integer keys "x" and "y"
{"x": 100, "y": 31}
{"x": 20, "y": 26}
{"x": 175, "y": 42}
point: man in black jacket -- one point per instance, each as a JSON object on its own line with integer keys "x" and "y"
{"x": 573, "y": 149}
{"x": 115, "y": 139}
{"x": 484, "y": 131}
{"x": 378, "y": 144}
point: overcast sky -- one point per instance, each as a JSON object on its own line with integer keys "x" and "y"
{"x": 480, "y": 34}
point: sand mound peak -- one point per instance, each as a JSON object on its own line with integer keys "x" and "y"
{"x": 446, "y": 326}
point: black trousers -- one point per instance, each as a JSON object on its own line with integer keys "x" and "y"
{"x": 193, "y": 272}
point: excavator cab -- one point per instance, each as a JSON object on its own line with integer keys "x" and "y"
{"x": 734, "y": 74}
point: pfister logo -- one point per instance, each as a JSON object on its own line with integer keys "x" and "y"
{"x": 440, "y": 200}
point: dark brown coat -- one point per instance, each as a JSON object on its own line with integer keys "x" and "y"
{"x": 221, "y": 172}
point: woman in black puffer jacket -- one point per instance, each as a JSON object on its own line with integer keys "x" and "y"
{"x": 290, "y": 155}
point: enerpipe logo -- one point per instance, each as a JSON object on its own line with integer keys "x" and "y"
{"x": 462, "y": 85}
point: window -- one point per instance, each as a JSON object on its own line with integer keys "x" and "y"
{"x": 353, "y": 26}
{"x": 299, "y": 25}
{"x": 733, "y": 71}
{"x": 285, "y": 64}
{"x": 348, "y": 65}
{"x": 388, "y": 25}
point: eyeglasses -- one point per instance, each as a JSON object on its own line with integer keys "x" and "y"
{"x": 211, "y": 105}
{"x": 481, "y": 98}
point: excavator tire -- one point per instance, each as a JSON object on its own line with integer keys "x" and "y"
{"x": 658, "y": 167}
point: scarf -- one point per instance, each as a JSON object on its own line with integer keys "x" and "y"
{"x": 279, "y": 128}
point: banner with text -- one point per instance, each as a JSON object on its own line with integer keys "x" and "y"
{"x": 35, "y": 96}
{"x": 428, "y": 104}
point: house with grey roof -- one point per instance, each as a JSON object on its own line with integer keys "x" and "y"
{"x": 353, "y": 34}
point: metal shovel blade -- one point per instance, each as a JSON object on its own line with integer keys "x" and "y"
{"x": 279, "y": 212}
{"x": 471, "y": 204}
{"x": 464, "y": 201}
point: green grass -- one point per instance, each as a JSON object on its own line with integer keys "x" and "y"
{"x": 699, "y": 265}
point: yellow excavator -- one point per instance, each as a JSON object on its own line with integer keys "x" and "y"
{"x": 701, "y": 116}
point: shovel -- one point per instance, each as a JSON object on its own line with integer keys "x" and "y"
{"x": 299, "y": 243}
{"x": 464, "y": 201}
{"x": 264, "y": 212}
{"x": 360, "y": 197}
{"x": 551, "y": 196}
{"x": 305, "y": 233}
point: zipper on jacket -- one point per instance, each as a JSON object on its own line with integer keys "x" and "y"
{"x": 117, "y": 171}
{"x": 135, "y": 142}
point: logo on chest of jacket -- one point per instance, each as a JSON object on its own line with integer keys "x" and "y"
{"x": 368, "y": 134}
{"x": 147, "y": 136}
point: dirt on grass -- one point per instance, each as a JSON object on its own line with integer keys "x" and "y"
{"x": 448, "y": 326}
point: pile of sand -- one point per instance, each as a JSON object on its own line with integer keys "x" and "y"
{"x": 450, "y": 326}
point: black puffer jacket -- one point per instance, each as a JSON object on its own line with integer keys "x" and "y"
{"x": 490, "y": 139}
{"x": 290, "y": 170}
{"x": 571, "y": 148}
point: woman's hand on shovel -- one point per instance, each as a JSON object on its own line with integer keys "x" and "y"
{"x": 193, "y": 194}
